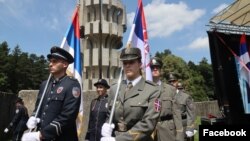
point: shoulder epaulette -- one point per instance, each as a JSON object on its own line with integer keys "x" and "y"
{"x": 73, "y": 78}
{"x": 151, "y": 83}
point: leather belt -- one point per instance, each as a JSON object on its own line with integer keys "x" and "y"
{"x": 183, "y": 116}
{"x": 167, "y": 117}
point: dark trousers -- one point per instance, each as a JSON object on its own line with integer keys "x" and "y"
{"x": 17, "y": 136}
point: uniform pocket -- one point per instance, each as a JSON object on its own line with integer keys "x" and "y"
{"x": 166, "y": 102}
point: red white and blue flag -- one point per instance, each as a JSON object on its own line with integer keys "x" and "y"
{"x": 71, "y": 43}
{"x": 139, "y": 38}
{"x": 243, "y": 67}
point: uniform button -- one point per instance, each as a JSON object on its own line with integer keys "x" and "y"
{"x": 44, "y": 113}
{"x": 47, "y": 106}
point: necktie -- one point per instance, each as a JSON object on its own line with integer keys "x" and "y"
{"x": 129, "y": 86}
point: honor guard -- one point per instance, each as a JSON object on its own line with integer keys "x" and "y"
{"x": 98, "y": 111}
{"x": 137, "y": 107}
{"x": 56, "y": 117}
{"x": 187, "y": 107}
{"x": 169, "y": 126}
{"x": 18, "y": 123}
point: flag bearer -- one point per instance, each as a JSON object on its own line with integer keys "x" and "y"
{"x": 56, "y": 118}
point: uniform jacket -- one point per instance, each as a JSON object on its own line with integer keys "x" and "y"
{"x": 169, "y": 126}
{"x": 18, "y": 123}
{"x": 98, "y": 116}
{"x": 135, "y": 110}
{"x": 187, "y": 107}
{"x": 59, "y": 109}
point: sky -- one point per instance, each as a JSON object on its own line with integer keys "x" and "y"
{"x": 177, "y": 25}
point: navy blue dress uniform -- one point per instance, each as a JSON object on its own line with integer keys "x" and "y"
{"x": 98, "y": 114}
{"x": 136, "y": 109}
{"x": 60, "y": 105}
{"x": 169, "y": 126}
{"x": 18, "y": 123}
{"x": 187, "y": 107}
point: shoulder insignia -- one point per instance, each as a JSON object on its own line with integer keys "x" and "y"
{"x": 76, "y": 92}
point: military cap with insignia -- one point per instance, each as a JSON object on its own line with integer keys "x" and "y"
{"x": 60, "y": 53}
{"x": 155, "y": 61}
{"x": 102, "y": 82}
{"x": 171, "y": 77}
{"x": 131, "y": 53}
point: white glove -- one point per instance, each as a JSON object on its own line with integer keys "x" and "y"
{"x": 189, "y": 134}
{"x": 6, "y": 130}
{"x": 32, "y": 122}
{"x": 107, "y": 139}
{"x": 31, "y": 136}
{"x": 107, "y": 129}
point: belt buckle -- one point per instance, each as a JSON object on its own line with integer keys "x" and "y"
{"x": 122, "y": 126}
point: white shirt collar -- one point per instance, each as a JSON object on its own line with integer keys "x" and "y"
{"x": 159, "y": 82}
{"x": 135, "y": 81}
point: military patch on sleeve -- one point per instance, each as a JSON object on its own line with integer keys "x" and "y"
{"x": 157, "y": 105}
{"x": 76, "y": 92}
{"x": 17, "y": 111}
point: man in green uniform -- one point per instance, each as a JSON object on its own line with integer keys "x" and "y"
{"x": 187, "y": 107}
{"x": 169, "y": 126}
{"x": 137, "y": 107}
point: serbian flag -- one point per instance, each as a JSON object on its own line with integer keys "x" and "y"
{"x": 71, "y": 43}
{"x": 138, "y": 37}
{"x": 243, "y": 67}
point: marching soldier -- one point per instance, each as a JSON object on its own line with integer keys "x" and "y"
{"x": 98, "y": 111}
{"x": 18, "y": 123}
{"x": 169, "y": 126}
{"x": 60, "y": 106}
{"x": 137, "y": 107}
{"x": 187, "y": 107}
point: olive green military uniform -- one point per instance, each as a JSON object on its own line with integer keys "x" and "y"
{"x": 169, "y": 126}
{"x": 187, "y": 108}
{"x": 136, "y": 111}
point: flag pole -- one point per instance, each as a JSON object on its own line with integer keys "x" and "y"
{"x": 115, "y": 98}
{"x": 41, "y": 100}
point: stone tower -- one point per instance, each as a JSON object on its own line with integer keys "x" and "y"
{"x": 103, "y": 23}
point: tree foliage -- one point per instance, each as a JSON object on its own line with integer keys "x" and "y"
{"x": 197, "y": 79}
{"x": 20, "y": 70}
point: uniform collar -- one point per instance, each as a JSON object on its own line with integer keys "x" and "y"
{"x": 135, "y": 81}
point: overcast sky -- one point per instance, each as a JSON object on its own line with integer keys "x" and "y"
{"x": 178, "y": 25}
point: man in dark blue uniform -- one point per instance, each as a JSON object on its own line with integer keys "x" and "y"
{"x": 98, "y": 111}
{"x": 56, "y": 119}
{"x": 18, "y": 123}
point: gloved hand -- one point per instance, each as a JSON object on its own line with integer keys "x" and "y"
{"x": 31, "y": 136}
{"x": 107, "y": 129}
{"x": 189, "y": 134}
{"x": 32, "y": 122}
{"x": 107, "y": 139}
{"x": 195, "y": 131}
{"x": 6, "y": 130}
